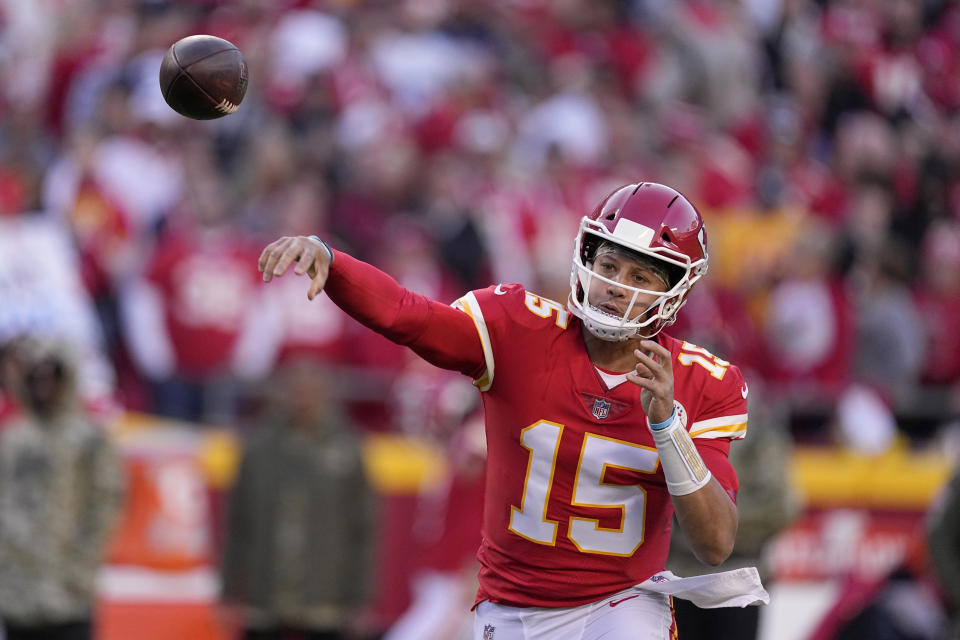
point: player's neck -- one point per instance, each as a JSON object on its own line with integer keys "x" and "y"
{"x": 611, "y": 356}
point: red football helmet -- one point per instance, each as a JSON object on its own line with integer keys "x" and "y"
{"x": 655, "y": 221}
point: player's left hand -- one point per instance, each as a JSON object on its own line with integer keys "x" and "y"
{"x": 654, "y": 372}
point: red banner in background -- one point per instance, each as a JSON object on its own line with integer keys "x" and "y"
{"x": 835, "y": 543}
{"x": 863, "y": 513}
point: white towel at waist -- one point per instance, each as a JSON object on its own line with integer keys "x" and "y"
{"x": 737, "y": 588}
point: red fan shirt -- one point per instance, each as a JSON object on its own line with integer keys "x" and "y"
{"x": 207, "y": 285}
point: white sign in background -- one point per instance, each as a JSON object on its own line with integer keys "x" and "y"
{"x": 41, "y": 293}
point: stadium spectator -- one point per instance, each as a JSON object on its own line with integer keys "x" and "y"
{"x": 298, "y": 555}
{"x": 185, "y": 319}
{"x": 808, "y": 321}
{"x": 938, "y": 298}
{"x": 61, "y": 489}
{"x": 890, "y": 340}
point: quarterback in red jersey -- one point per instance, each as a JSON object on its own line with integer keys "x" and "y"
{"x": 599, "y": 426}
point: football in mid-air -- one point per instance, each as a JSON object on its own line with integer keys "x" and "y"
{"x": 203, "y": 77}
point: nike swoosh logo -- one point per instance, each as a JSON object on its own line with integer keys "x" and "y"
{"x": 616, "y": 602}
{"x": 499, "y": 291}
{"x": 744, "y": 391}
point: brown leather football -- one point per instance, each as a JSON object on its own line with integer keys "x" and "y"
{"x": 203, "y": 77}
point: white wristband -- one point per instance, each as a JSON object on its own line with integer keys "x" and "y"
{"x": 682, "y": 465}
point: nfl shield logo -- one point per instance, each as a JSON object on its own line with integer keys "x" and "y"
{"x": 488, "y": 630}
{"x": 601, "y": 408}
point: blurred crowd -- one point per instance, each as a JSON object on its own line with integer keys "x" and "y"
{"x": 456, "y": 144}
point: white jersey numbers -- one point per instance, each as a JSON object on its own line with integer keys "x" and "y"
{"x": 598, "y": 454}
{"x": 691, "y": 354}
{"x": 542, "y": 440}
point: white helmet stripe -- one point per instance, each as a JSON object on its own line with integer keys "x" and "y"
{"x": 633, "y": 233}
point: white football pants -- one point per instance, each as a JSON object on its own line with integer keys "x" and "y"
{"x": 641, "y": 612}
{"x": 632, "y": 614}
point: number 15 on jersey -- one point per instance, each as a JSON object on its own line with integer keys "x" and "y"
{"x": 597, "y": 455}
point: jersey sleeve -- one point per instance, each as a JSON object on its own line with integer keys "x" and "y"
{"x": 442, "y": 335}
{"x": 496, "y": 311}
{"x": 721, "y": 418}
{"x": 723, "y": 412}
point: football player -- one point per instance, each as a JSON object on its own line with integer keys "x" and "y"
{"x": 599, "y": 426}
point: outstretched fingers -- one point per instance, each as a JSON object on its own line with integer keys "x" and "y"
{"x": 269, "y": 257}
{"x": 277, "y": 257}
{"x": 310, "y": 255}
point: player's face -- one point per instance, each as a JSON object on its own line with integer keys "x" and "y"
{"x": 621, "y": 269}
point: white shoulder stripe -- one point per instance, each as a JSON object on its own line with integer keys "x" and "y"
{"x": 722, "y": 427}
{"x": 471, "y": 307}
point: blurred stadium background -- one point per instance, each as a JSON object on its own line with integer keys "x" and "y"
{"x": 456, "y": 143}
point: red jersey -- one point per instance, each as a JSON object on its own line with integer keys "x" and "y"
{"x": 207, "y": 284}
{"x": 576, "y": 502}
{"x": 576, "y": 507}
